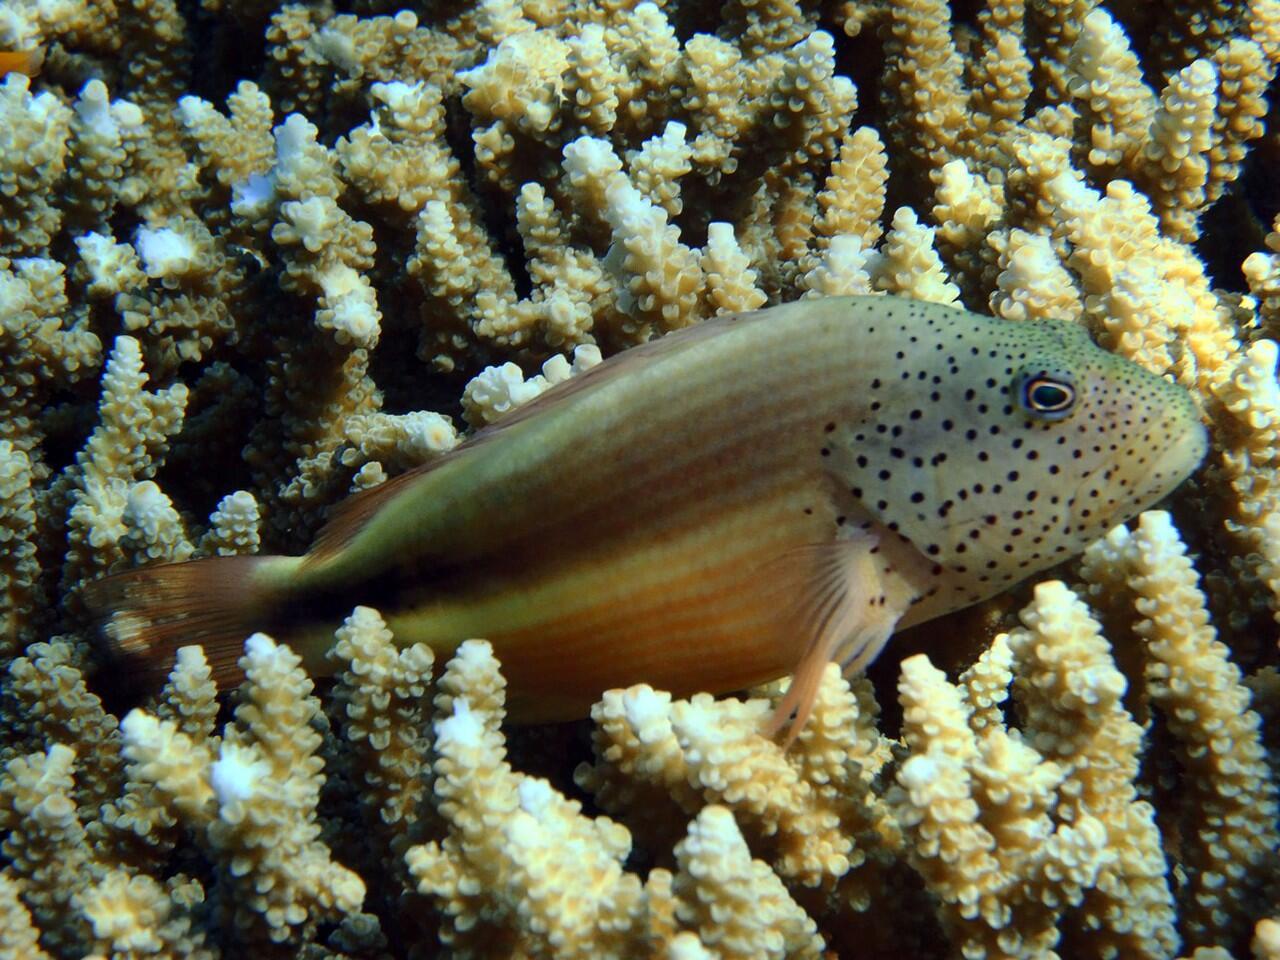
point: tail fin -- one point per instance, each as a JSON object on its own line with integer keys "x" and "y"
{"x": 146, "y": 614}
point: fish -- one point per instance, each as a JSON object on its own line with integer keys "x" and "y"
{"x": 746, "y": 499}
{"x": 26, "y": 62}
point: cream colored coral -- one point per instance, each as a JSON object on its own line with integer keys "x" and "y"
{"x": 19, "y": 565}
{"x": 1266, "y": 940}
{"x": 1250, "y": 436}
{"x": 738, "y": 905}
{"x": 101, "y": 135}
{"x": 731, "y": 282}
{"x": 37, "y": 129}
{"x": 398, "y": 441}
{"x": 1262, "y": 270}
{"x": 189, "y": 697}
{"x": 1244, "y": 70}
{"x": 473, "y": 675}
{"x": 852, "y": 197}
{"x": 999, "y": 77}
{"x": 842, "y": 270}
{"x": 1191, "y": 679}
{"x": 254, "y": 801}
{"x": 591, "y": 81}
{"x": 49, "y": 687}
{"x": 716, "y": 110}
{"x": 909, "y": 266}
{"x": 153, "y": 531}
{"x": 805, "y": 806}
{"x": 643, "y": 43}
{"x": 497, "y": 391}
{"x": 383, "y": 692}
{"x": 1069, "y": 691}
{"x": 134, "y": 426}
{"x": 924, "y": 68}
{"x": 952, "y": 851}
{"x": 661, "y": 277}
{"x": 656, "y": 168}
{"x": 136, "y": 917}
{"x": 519, "y": 857}
{"x": 520, "y": 83}
{"x": 325, "y": 249}
{"x": 1174, "y": 164}
{"x": 967, "y": 209}
{"x": 985, "y": 684}
{"x": 401, "y": 162}
{"x": 234, "y": 526}
{"x": 42, "y": 349}
{"x": 1009, "y": 828}
{"x": 237, "y": 146}
{"x": 1106, "y": 84}
{"x": 810, "y": 106}
{"x": 19, "y": 936}
{"x": 1033, "y": 283}
{"x": 572, "y": 290}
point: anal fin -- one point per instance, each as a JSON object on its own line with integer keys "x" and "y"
{"x": 839, "y": 611}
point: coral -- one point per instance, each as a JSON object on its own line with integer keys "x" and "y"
{"x": 251, "y": 799}
{"x": 260, "y": 255}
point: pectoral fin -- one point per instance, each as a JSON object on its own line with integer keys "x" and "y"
{"x": 839, "y": 612}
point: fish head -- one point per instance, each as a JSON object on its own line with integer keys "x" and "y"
{"x": 1020, "y": 443}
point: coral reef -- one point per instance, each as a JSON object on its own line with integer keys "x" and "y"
{"x": 255, "y": 256}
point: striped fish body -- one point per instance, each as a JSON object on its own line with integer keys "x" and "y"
{"x": 624, "y": 532}
{"x": 731, "y": 503}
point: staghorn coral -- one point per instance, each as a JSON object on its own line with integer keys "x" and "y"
{"x": 259, "y": 255}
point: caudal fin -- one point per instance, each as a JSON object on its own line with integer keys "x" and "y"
{"x": 146, "y": 614}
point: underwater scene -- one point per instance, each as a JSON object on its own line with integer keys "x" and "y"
{"x": 607, "y": 479}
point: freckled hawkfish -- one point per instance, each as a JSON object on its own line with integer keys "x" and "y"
{"x": 749, "y": 498}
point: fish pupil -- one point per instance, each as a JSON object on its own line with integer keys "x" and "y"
{"x": 1049, "y": 396}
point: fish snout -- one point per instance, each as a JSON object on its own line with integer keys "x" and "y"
{"x": 1187, "y": 447}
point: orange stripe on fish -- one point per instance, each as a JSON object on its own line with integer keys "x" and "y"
{"x": 755, "y": 496}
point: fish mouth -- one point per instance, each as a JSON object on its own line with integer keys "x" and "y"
{"x": 1180, "y": 458}
{"x": 1163, "y": 473}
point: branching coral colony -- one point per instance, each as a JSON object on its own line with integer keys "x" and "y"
{"x": 295, "y": 243}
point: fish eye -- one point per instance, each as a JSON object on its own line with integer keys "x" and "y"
{"x": 1046, "y": 395}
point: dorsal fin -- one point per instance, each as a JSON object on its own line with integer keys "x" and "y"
{"x": 348, "y": 517}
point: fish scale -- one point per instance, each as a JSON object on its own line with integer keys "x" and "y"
{"x": 745, "y": 499}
